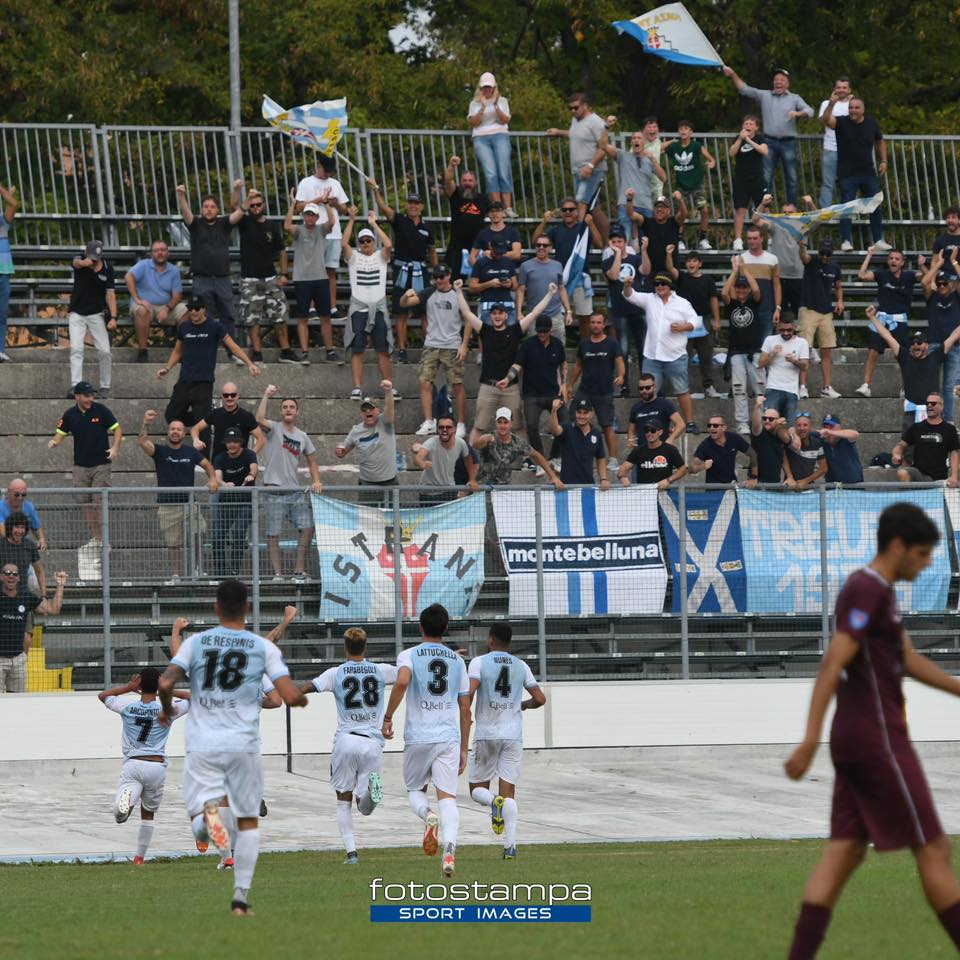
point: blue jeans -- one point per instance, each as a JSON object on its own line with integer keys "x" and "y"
{"x": 585, "y": 189}
{"x": 676, "y": 371}
{"x": 867, "y": 186}
{"x": 493, "y": 155}
{"x": 951, "y": 374}
{"x": 784, "y": 151}
{"x": 828, "y": 176}
{"x": 625, "y": 221}
{"x": 4, "y": 308}
{"x": 785, "y": 403}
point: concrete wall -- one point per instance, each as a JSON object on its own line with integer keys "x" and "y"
{"x": 646, "y": 713}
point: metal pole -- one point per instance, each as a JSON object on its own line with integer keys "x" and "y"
{"x": 289, "y": 741}
{"x": 234, "y": 136}
{"x": 255, "y": 555}
{"x": 397, "y": 571}
{"x": 684, "y": 612}
{"x": 105, "y": 581}
{"x": 541, "y": 612}
{"x": 824, "y": 592}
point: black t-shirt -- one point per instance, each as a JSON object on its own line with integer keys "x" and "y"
{"x": 577, "y": 453}
{"x": 654, "y": 465}
{"x": 564, "y": 239}
{"x": 660, "y": 235}
{"x": 724, "y": 469}
{"x": 540, "y": 365}
{"x": 932, "y": 445}
{"x": 920, "y": 377}
{"x": 855, "y": 142}
{"x": 260, "y": 245}
{"x": 803, "y": 462}
{"x": 769, "y": 449}
{"x": 819, "y": 281}
{"x": 699, "y": 291}
{"x": 198, "y": 362}
{"x": 222, "y": 420}
{"x": 235, "y": 470}
{"x": 91, "y": 433}
{"x": 599, "y": 362}
{"x": 486, "y": 269}
{"x": 411, "y": 240}
{"x": 661, "y": 408}
{"x": 487, "y": 235}
{"x": 943, "y": 316}
{"x": 944, "y": 241}
{"x": 894, "y": 294}
{"x": 749, "y": 163}
{"x": 499, "y": 351}
{"x": 175, "y": 469}
{"x": 620, "y": 307}
{"x": 13, "y": 620}
{"x": 210, "y": 247}
{"x": 745, "y": 330}
{"x": 90, "y": 286}
{"x": 466, "y": 217}
{"x": 23, "y": 554}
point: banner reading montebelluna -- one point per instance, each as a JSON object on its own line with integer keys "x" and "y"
{"x": 439, "y": 558}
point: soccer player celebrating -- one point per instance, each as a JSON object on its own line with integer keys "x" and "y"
{"x": 226, "y": 665}
{"x": 357, "y": 759}
{"x": 880, "y": 795}
{"x": 143, "y": 743}
{"x": 435, "y": 677}
{"x": 498, "y": 679}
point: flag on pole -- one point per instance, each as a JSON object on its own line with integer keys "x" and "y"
{"x": 318, "y": 125}
{"x": 574, "y": 268}
{"x": 798, "y": 225}
{"x": 670, "y": 32}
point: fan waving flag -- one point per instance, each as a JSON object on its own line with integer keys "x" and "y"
{"x": 799, "y": 224}
{"x": 670, "y": 32}
{"x": 318, "y": 125}
{"x": 574, "y": 270}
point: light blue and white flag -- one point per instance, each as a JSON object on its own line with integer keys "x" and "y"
{"x": 798, "y": 225}
{"x": 319, "y": 125}
{"x": 670, "y": 32}
{"x": 600, "y": 551}
{"x": 574, "y": 270}
{"x": 439, "y": 560}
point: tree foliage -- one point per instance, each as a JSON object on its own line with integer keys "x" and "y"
{"x": 122, "y": 61}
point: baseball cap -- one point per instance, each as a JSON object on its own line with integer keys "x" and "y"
{"x": 442, "y": 270}
{"x": 503, "y": 413}
{"x": 831, "y": 421}
{"x": 782, "y": 70}
{"x": 946, "y": 275}
{"x": 918, "y": 336}
{"x": 741, "y": 281}
{"x": 83, "y": 387}
{"x": 661, "y": 201}
{"x": 414, "y": 198}
{"x": 312, "y": 208}
{"x": 825, "y": 247}
{"x": 368, "y": 403}
{"x": 94, "y": 249}
{"x": 195, "y": 303}
{"x": 543, "y": 324}
{"x": 582, "y": 405}
{"x": 617, "y": 231}
{"x": 496, "y": 205}
{"x": 488, "y": 79}
{"x": 500, "y": 246}
{"x": 233, "y": 434}
{"x": 366, "y": 232}
{"x": 652, "y": 422}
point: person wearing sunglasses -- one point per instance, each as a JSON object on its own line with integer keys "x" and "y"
{"x": 653, "y": 461}
{"x": 770, "y": 435}
{"x": 533, "y": 279}
{"x": 16, "y": 606}
{"x": 717, "y": 455}
{"x": 943, "y": 315}
{"x": 262, "y": 296}
{"x": 438, "y": 455}
{"x": 93, "y": 300}
{"x": 228, "y": 416}
{"x": 588, "y": 140}
{"x": 935, "y": 444}
{"x": 651, "y": 405}
{"x": 783, "y": 356}
{"x": 16, "y": 547}
{"x": 16, "y": 502}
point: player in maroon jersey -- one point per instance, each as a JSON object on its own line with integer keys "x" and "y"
{"x": 880, "y": 794}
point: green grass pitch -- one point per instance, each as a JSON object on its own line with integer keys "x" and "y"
{"x": 655, "y": 901}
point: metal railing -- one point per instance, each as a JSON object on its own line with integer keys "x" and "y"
{"x": 119, "y": 181}
{"x": 150, "y": 563}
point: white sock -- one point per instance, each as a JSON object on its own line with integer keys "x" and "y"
{"x": 230, "y": 823}
{"x": 200, "y": 828}
{"x": 483, "y": 796}
{"x": 418, "y": 803}
{"x": 345, "y": 823}
{"x": 245, "y": 855}
{"x": 144, "y": 836}
{"x": 449, "y": 821}
{"x": 365, "y": 805}
{"x": 509, "y": 822}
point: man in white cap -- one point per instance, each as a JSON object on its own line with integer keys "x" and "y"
{"x": 92, "y": 297}
{"x": 498, "y": 451}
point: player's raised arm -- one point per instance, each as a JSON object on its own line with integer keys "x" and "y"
{"x": 173, "y": 675}
{"x": 843, "y": 648}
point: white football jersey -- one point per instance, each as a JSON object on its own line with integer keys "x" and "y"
{"x": 142, "y": 735}
{"x": 358, "y": 687}
{"x": 438, "y": 678}
{"x": 503, "y": 678}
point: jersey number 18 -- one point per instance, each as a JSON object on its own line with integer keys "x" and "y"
{"x": 229, "y": 676}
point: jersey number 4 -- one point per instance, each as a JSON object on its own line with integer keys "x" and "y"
{"x": 502, "y": 686}
{"x": 351, "y": 687}
{"x": 229, "y": 676}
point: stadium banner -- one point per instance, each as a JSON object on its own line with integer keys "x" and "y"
{"x": 670, "y": 32}
{"x": 781, "y": 547}
{"x": 952, "y": 499}
{"x": 441, "y": 558}
{"x": 716, "y": 576}
{"x": 600, "y": 551}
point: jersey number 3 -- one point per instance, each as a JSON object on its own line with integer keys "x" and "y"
{"x": 229, "y": 676}
{"x": 438, "y": 685}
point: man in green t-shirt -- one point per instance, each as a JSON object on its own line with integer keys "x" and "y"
{"x": 687, "y": 156}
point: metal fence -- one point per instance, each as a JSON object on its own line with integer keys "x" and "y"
{"x": 79, "y": 180}
{"x": 135, "y": 565}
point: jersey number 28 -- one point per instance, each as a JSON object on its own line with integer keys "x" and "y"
{"x": 351, "y": 687}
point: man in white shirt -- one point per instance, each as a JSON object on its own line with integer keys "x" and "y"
{"x": 783, "y": 356}
{"x": 828, "y": 157}
{"x": 669, "y": 319}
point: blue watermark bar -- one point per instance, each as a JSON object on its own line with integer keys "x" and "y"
{"x": 481, "y": 913}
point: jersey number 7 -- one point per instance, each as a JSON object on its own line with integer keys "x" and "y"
{"x": 146, "y": 725}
